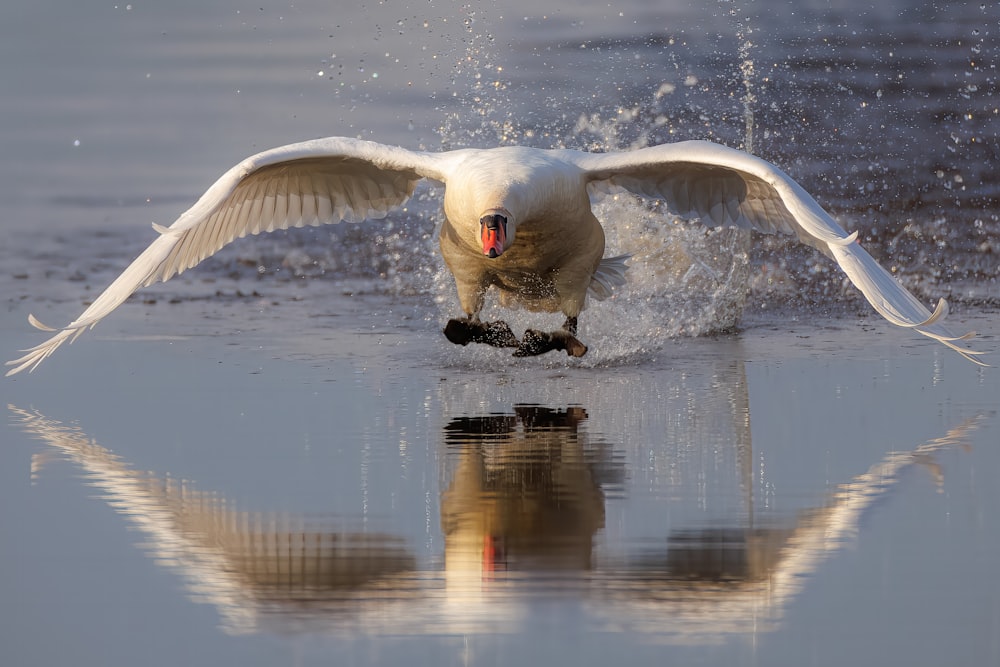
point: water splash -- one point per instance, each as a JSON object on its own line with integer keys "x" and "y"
{"x": 749, "y": 99}
{"x": 683, "y": 279}
{"x": 482, "y": 119}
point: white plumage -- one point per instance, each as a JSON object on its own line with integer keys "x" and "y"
{"x": 543, "y": 192}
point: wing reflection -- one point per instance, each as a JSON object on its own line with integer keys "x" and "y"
{"x": 248, "y": 565}
{"x": 711, "y": 582}
{"x": 521, "y": 512}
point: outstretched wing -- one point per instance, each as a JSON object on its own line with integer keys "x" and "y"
{"x": 723, "y": 186}
{"x": 309, "y": 183}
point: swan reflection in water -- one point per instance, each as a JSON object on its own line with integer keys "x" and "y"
{"x": 520, "y": 515}
{"x": 526, "y": 493}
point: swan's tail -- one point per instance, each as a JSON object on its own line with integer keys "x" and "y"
{"x": 610, "y": 274}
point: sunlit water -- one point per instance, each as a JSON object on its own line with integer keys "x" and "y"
{"x": 277, "y": 459}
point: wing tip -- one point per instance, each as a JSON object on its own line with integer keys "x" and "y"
{"x": 947, "y": 338}
{"x": 35, "y": 322}
{"x": 33, "y": 356}
{"x": 967, "y": 354}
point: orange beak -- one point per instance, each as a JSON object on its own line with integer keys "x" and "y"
{"x": 494, "y": 235}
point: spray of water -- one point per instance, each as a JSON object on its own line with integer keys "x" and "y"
{"x": 683, "y": 280}
{"x": 745, "y": 48}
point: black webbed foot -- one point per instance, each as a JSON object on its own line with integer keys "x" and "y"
{"x": 539, "y": 342}
{"x": 497, "y": 334}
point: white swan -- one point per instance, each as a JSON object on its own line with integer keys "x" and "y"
{"x": 517, "y": 218}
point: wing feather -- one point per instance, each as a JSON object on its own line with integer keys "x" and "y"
{"x": 308, "y": 203}
{"x": 324, "y": 205}
{"x": 723, "y": 186}
{"x": 255, "y": 200}
{"x": 313, "y": 182}
{"x": 281, "y": 217}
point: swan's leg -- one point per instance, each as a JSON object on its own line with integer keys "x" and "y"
{"x": 470, "y": 329}
{"x": 571, "y": 281}
{"x": 540, "y": 342}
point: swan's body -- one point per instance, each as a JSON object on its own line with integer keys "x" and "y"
{"x": 517, "y": 218}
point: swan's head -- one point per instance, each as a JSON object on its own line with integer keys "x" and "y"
{"x": 496, "y": 229}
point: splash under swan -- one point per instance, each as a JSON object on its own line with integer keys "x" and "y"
{"x": 517, "y": 219}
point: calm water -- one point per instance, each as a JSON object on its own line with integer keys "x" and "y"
{"x": 277, "y": 459}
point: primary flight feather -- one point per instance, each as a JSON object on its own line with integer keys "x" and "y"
{"x": 517, "y": 219}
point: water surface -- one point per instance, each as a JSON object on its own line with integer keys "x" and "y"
{"x": 278, "y": 459}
